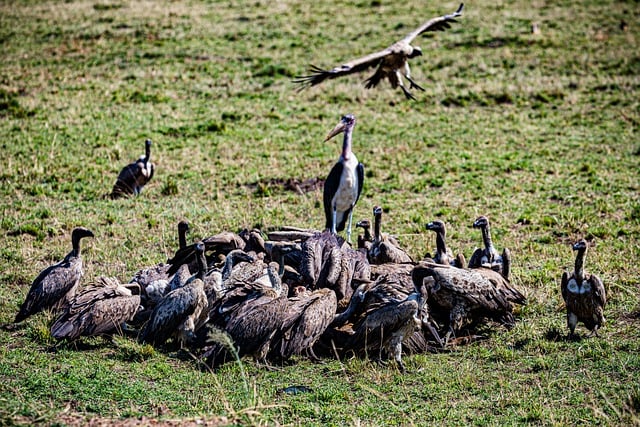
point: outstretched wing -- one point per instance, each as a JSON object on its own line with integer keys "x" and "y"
{"x": 318, "y": 75}
{"x": 440, "y": 23}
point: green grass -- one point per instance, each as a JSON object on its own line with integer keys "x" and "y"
{"x": 539, "y": 132}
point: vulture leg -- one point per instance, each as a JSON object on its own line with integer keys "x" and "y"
{"x": 408, "y": 94}
{"x": 414, "y": 84}
{"x": 572, "y": 322}
{"x": 333, "y": 224}
{"x": 407, "y": 74}
{"x": 432, "y": 330}
{"x": 312, "y": 355}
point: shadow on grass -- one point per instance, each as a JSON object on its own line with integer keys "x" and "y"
{"x": 556, "y": 335}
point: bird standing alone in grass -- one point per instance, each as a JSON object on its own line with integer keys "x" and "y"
{"x": 392, "y": 62}
{"x": 583, "y": 294}
{"x": 343, "y": 186}
{"x": 134, "y": 176}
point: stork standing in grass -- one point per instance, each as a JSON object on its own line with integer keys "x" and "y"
{"x": 343, "y": 186}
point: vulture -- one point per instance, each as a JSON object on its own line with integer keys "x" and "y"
{"x": 461, "y": 296}
{"x": 489, "y": 256}
{"x": 392, "y": 63}
{"x": 217, "y": 247}
{"x": 443, "y": 254}
{"x": 180, "y": 311}
{"x": 364, "y": 240}
{"x": 385, "y": 248}
{"x": 387, "y": 314}
{"x": 155, "y": 281}
{"x": 329, "y": 262}
{"x": 306, "y": 316}
{"x": 251, "y": 315}
{"x": 133, "y": 177}
{"x": 343, "y": 186}
{"x": 56, "y": 285}
{"x": 583, "y": 294}
{"x": 98, "y": 309}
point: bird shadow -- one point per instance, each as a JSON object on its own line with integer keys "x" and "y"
{"x": 555, "y": 335}
{"x": 10, "y": 326}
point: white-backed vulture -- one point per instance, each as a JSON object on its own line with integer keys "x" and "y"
{"x": 583, "y": 293}
{"x": 392, "y": 62}
{"x": 56, "y": 285}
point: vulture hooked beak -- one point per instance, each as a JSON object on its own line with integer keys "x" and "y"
{"x": 416, "y": 52}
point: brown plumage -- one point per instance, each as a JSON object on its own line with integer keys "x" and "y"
{"x": 98, "y": 309}
{"x": 305, "y": 318}
{"x": 251, "y": 315}
{"x": 392, "y": 62}
{"x": 583, "y": 294}
{"x": 462, "y": 296}
{"x": 178, "y": 313}
{"x": 389, "y": 315}
{"x": 56, "y": 285}
{"x": 218, "y": 246}
{"x": 155, "y": 280}
{"x": 364, "y": 240}
{"x": 511, "y": 293}
{"x": 329, "y": 262}
{"x": 443, "y": 254}
{"x": 489, "y": 256}
{"x": 133, "y": 177}
{"x": 385, "y": 248}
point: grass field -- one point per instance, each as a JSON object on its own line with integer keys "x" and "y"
{"x": 538, "y": 131}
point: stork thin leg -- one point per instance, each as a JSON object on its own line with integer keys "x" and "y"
{"x": 333, "y": 223}
{"x": 349, "y": 227}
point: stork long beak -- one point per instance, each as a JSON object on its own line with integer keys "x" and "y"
{"x": 336, "y": 130}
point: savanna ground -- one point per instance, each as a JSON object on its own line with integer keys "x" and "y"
{"x": 537, "y": 131}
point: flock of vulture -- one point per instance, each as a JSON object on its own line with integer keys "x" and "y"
{"x": 298, "y": 292}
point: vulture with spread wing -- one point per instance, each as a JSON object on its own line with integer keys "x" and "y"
{"x": 392, "y": 62}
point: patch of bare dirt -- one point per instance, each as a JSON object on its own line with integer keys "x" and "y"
{"x": 290, "y": 184}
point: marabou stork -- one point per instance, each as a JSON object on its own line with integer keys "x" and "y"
{"x": 392, "y": 62}
{"x": 343, "y": 186}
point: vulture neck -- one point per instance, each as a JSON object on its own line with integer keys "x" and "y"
{"x": 579, "y": 267}
{"x": 275, "y": 280}
{"x": 377, "y": 220}
{"x": 356, "y": 299}
{"x": 488, "y": 244}
{"x": 147, "y": 152}
{"x": 229, "y": 263}
{"x": 182, "y": 238}
{"x": 441, "y": 246}
{"x": 367, "y": 233}
{"x": 75, "y": 243}
{"x": 202, "y": 265}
